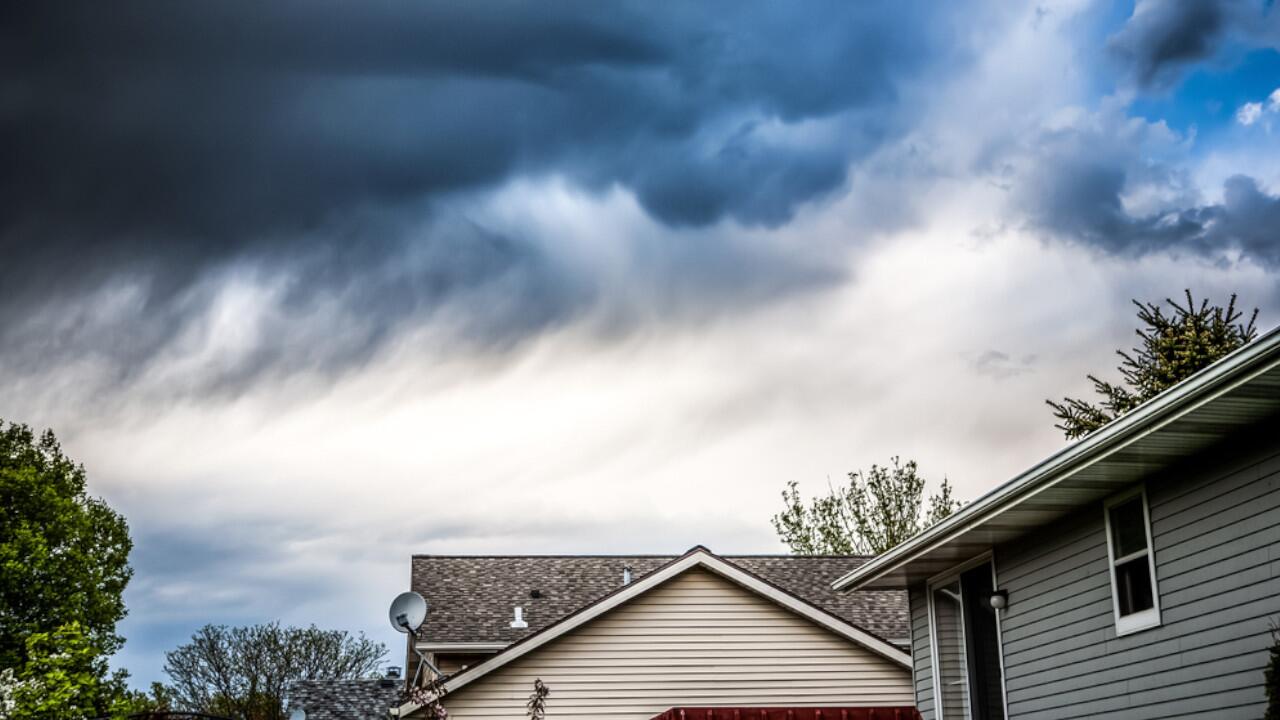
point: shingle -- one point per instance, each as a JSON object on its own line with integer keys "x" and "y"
{"x": 472, "y": 598}
{"x": 344, "y": 699}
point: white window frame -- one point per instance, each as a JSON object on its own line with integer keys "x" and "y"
{"x": 943, "y": 578}
{"x": 1145, "y": 619}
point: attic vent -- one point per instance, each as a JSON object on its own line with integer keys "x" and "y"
{"x": 535, "y": 594}
{"x": 626, "y": 576}
{"x": 519, "y": 622}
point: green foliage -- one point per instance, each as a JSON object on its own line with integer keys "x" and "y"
{"x": 1272, "y": 676}
{"x": 245, "y": 672}
{"x": 64, "y": 564}
{"x": 1172, "y": 348}
{"x": 64, "y": 677}
{"x": 873, "y": 513}
{"x": 64, "y": 556}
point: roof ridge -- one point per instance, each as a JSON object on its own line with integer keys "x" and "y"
{"x": 482, "y": 556}
{"x": 520, "y": 556}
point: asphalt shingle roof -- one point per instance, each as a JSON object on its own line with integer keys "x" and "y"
{"x": 471, "y": 598}
{"x": 344, "y": 699}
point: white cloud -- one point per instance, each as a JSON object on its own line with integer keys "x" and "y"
{"x": 1252, "y": 112}
{"x": 1249, "y": 113}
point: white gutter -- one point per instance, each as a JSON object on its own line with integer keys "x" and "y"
{"x": 1204, "y": 386}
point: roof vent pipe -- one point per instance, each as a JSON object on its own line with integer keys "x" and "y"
{"x": 626, "y": 576}
{"x": 519, "y": 622}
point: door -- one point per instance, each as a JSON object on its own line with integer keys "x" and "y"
{"x": 966, "y": 646}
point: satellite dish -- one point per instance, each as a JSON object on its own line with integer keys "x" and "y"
{"x": 408, "y": 612}
{"x": 298, "y": 714}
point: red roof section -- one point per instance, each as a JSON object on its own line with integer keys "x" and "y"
{"x": 797, "y": 713}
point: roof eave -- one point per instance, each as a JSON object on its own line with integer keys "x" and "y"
{"x": 1228, "y": 373}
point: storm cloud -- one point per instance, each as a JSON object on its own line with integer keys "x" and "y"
{"x": 1087, "y": 204}
{"x": 1163, "y": 37}
{"x": 309, "y": 287}
{"x": 1118, "y": 184}
{"x": 322, "y": 151}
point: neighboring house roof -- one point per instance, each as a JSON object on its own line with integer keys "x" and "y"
{"x": 1233, "y": 394}
{"x": 471, "y": 598}
{"x": 345, "y": 699}
{"x": 697, "y": 557}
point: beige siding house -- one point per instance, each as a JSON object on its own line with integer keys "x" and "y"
{"x": 697, "y": 631}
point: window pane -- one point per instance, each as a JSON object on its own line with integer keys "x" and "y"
{"x": 1133, "y": 583}
{"x": 953, "y": 679}
{"x": 1128, "y": 527}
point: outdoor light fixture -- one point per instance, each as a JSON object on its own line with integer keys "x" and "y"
{"x": 999, "y": 599}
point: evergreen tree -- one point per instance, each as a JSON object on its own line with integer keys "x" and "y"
{"x": 1171, "y": 348}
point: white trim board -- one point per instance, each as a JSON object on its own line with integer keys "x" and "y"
{"x": 699, "y": 557}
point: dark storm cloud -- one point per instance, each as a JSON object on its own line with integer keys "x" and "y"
{"x": 1082, "y": 198}
{"x": 159, "y": 142}
{"x": 1163, "y": 36}
{"x": 1077, "y": 190}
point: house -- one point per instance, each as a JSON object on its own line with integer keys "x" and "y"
{"x": 631, "y": 637}
{"x": 1134, "y": 574}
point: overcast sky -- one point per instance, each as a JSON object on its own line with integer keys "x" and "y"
{"x": 310, "y": 287}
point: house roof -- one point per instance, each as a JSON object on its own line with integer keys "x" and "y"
{"x": 1239, "y": 391}
{"x": 472, "y": 598}
{"x": 697, "y": 557}
{"x": 344, "y": 699}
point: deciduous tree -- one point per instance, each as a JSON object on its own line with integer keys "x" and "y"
{"x": 874, "y": 512}
{"x": 64, "y": 677}
{"x": 64, "y": 564}
{"x": 245, "y": 672}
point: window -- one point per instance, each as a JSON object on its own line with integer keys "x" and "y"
{"x": 1133, "y": 574}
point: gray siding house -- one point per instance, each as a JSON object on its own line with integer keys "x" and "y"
{"x": 1135, "y": 574}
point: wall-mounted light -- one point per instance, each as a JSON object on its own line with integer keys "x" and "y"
{"x": 999, "y": 599}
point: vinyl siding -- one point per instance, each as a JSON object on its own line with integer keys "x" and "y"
{"x": 695, "y": 640}
{"x": 1215, "y": 527}
{"x": 921, "y": 658}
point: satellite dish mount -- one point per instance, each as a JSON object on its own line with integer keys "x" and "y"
{"x": 408, "y": 612}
